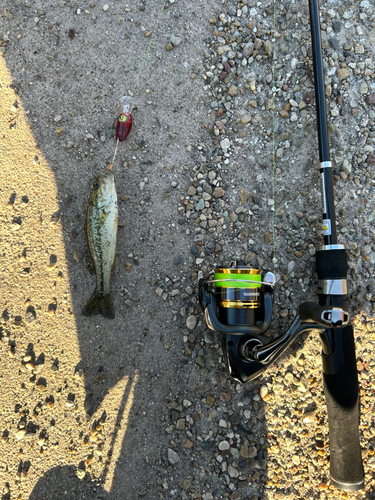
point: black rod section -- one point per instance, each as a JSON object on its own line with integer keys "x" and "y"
{"x": 329, "y": 218}
{"x": 319, "y": 81}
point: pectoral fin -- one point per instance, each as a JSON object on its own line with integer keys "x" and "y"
{"x": 102, "y": 219}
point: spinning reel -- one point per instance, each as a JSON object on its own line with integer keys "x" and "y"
{"x": 238, "y": 305}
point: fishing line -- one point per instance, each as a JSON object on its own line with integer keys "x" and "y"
{"x": 149, "y": 46}
{"x": 273, "y": 137}
{"x": 114, "y": 156}
{"x": 144, "y": 58}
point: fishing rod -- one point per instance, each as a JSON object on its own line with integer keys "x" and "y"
{"x": 238, "y": 305}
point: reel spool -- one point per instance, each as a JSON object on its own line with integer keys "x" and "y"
{"x": 240, "y": 302}
{"x": 238, "y": 294}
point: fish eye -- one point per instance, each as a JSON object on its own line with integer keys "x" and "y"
{"x": 96, "y": 185}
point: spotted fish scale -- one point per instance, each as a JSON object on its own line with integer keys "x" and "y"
{"x": 101, "y": 229}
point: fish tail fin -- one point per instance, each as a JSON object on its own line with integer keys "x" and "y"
{"x": 100, "y": 303}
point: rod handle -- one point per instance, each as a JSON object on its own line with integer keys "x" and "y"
{"x": 341, "y": 392}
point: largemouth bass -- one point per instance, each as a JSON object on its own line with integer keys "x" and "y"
{"x": 101, "y": 230}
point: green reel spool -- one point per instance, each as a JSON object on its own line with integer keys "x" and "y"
{"x": 238, "y": 294}
{"x": 240, "y": 278}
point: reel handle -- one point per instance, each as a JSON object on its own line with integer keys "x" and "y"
{"x": 310, "y": 316}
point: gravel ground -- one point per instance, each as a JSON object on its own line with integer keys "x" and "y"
{"x": 142, "y": 406}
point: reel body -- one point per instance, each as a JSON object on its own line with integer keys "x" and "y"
{"x": 239, "y": 307}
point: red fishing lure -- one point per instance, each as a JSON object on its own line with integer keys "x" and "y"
{"x": 125, "y": 120}
{"x": 124, "y": 124}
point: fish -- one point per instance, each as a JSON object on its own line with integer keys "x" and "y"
{"x": 101, "y": 232}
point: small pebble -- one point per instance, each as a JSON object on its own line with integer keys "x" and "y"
{"x": 225, "y": 144}
{"x": 173, "y": 457}
{"x": 191, "y": 322}
{"x": 263, "y": 391}
{"x": 224, "y": 445}
{"x": 175, "y": 41}
{"x": 81, "y": 474}
{"x": 20, "y": 434}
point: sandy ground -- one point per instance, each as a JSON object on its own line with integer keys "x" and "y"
{"x": 83, "y": 401}
{"x": 120, "y": 369}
